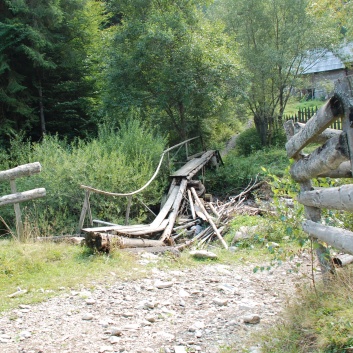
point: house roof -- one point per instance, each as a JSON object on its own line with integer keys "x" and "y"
{"x": 326, "y": 60}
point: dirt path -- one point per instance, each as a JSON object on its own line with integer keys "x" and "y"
{"x": 189, "y": 310}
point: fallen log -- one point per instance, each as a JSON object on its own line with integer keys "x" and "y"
{"x": 154, "y": 250}
{"x": 105, "y": 241}
{"x": 62, "y": 238}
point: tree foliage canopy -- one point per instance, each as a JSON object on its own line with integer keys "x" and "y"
{"x": 274, "y": 37}
{"x": 171, "y": 62}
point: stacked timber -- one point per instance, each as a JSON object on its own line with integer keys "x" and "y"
{"x": 185, "y": 219}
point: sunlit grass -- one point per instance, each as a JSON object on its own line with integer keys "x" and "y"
{"x": 46, "y": 269}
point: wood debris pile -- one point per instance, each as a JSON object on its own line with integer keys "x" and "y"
{"x": 188, "y": 217}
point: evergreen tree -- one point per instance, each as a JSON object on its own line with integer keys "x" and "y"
{"x": 43, "y": 68}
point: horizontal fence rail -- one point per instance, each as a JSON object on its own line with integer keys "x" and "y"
{"x": 16, "y": 197}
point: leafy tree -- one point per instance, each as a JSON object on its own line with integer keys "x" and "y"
{"x": 170, "y": 62}
{"x": 274, "y": 38}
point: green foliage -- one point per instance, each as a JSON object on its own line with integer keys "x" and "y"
{"x": 271, "y": 47}
{"x": 45, "y": 83}
{"x": 117, "y": 161}
{"x": 248, "y": 142}
{"x": 169, "y": 61}
{"x": 238, "y": 171}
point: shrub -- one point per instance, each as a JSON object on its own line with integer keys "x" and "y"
{"x": 248, "y": 142}
{"x": 238, "y": 171}
{"x": 117, "y": 161}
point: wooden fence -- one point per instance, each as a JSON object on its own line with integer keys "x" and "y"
{"x": 305, "y": 114}
{"x": 16, "y": 197}
{"x": 333, "y": 159}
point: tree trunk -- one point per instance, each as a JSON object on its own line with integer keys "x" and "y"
{"x": 262, "y": 128}
{"x": 41, "y": 109}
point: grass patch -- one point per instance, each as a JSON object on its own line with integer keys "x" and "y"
{"x": 317, "y": 322}
{"x": 44, "y": 269}
{"x": 47, "y": 269}
{"x": 293, "y": 106}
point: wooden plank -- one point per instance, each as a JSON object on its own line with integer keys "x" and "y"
{"x": 192, "y": 209}
{"x": 337, "y": 198}
{"x": 209, "y": 218}
{"x": 175, "y": 209}
{"x": 117, "y": 227}
{"x": 194, "y": 165}
{"x": 166, "y": 208}
{"x": 339, "y": 238}
{"x": 20, "y": 171}
{"x": 316, "y": 125}
{"x": 323, "y": 159}
{"x": 145, "y": 231}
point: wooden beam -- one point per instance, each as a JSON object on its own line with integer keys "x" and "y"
{"x": 22, "y": 196}
{"x": 175, "y": 210}
{"x": 316, "y": 125}
{"x": 20, "y": 171}
{"x": 339, "y": 238}
{"x": 209, "y": 218}
{"x": 337, "y": 198}
{"x": 323, "y": 159}
{"x": 320, "y": 138}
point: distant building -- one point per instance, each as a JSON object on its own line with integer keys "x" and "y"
{"x": 324, "y": 68}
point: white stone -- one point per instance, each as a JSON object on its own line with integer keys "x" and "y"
{"x": 203, "y": 254}
{"x": 162, "y": 285}
{"x": 179, "y": 349}
{"x": 87, "y": 317}
{"x": 220, "y": 301}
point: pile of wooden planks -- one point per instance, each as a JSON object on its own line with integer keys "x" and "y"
{"x": 185, "y": 219}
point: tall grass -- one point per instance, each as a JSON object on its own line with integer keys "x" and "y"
{"x": 117, "y": 161}
{"x": 318, "y": 321}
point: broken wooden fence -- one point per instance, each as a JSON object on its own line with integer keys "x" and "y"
{"x": 181, "y": 198}
{"x": 16, "y": 197}
{"x": 332, "y": 159}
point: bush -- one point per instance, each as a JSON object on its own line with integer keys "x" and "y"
{"x": 116, "y": 161}
{"x": 248, "y": 142}
{"x": 238, "y": 171}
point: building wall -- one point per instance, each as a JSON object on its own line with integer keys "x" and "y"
{"x": 320, "y": 85}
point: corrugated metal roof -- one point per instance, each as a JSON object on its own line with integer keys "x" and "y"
{"x": 326, "y": 60}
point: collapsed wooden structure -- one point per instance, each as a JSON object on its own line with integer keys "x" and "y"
{"x": 332, "y": 159}
{"x": 181, "y": 214}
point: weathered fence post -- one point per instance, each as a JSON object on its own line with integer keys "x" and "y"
{"x": 16, "y": 197}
